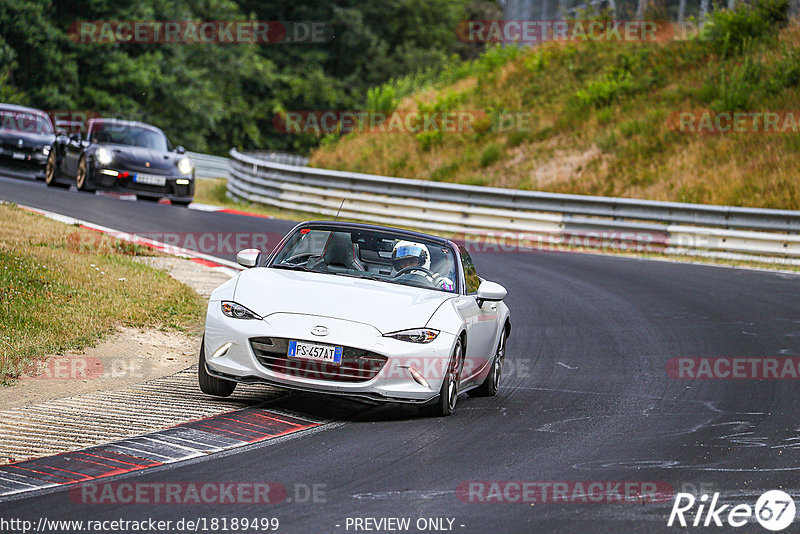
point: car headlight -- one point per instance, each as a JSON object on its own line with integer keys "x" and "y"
{"x": 237, "y": 311}
{"x": 103, "y": 156}
{"x": 184, "y": 166}
{"x": 46, "y": 151}
{"x": 417, "y": 335}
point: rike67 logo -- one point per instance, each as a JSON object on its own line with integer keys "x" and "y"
{"x": 774, "y": 511}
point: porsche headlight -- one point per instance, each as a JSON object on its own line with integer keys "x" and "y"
{"x": 237, "y": 311}
{"x": 103, "y": 156}
{"x": 417, "y": 335}
{"x": 184, "y": 166}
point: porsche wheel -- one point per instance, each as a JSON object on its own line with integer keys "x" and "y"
{"x": 448, "y": 394}
{"x": 492, "y": 383}
{"x": 82, "y": 179}
{"x": 51, "y": 171}
{"x": 208, "y": 384}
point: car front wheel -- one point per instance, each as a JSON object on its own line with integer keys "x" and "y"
{"x": 211, "y": 385}
{"x": 492, "y": 383}
{"x": 82, "y": 179}
{"x": 51, "y": 174}
{"x": 448, "y": 393}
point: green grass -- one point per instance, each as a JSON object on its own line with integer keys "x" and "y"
{"x": 64, "y": 288}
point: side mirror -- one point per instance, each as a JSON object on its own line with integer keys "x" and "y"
{"x": 76, "y": 137}
{"x": 180, "y": 150}
{"x": 248, "y": 257}
{"x": 490, "y": 291}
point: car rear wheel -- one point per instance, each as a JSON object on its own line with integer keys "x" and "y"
{"x": 211, "y": 385}
{"x": 492, "y": 383}
{"x": 448, "y": 393}
{"x": 82, "y": 179}
{"x": 51, "y": 174}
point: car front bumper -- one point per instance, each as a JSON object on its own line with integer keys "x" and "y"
{"x": 230, "y": 355}
{"x": 32, "y": 164}
{"x": 174, "y": 187}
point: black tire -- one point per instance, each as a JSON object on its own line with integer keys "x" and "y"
{"x": 492, "y": 383}
{"x": 208, "y": 384}
{"x": 52, "y": 173}
{"x": 181, "y": 203}
{"x": 144, "y": 198}
{"x": 448, "y": 394}
{"x": 82, "y": 178}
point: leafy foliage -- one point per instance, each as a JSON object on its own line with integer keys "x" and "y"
{"x": 730, "y": 31}
{"x": 210, "y": 97}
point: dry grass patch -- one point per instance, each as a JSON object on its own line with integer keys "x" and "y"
{"x": 63, "y": 287}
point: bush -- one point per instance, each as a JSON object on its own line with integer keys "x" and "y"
{"x": 428, "y": 140}
{"x": 735, "y": 88}
{"x": 606, "y": 89}
{"x": 445, "y": 172}
{"x": 490, "y": 155}
{"x": 729, "y": 31}
{"x": 382, "y": 98}
{"x": 786, "y": 72}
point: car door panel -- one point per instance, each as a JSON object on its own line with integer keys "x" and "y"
{"x": 71, "y": 154}
{"x": 480, "y": 339}
{"x": 481, "y": 321}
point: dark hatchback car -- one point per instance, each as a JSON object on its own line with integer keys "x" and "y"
{"x": 26, "y": 135}
{"x": 123, "y": 156}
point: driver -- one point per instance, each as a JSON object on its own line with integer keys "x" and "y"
{"x": 407, "y": 254}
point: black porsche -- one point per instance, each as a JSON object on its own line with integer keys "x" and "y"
{"x": 26, "y": 135}
{"x": 123, "y": 156}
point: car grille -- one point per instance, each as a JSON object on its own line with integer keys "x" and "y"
{"x": 148, "y": 187}
{"x": 357, "y": 365}
{"x": 27, "y": 149}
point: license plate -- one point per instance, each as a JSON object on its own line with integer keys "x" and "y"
{"x": 312, "y": 351}
{"x": 149, "y": 179}
{"x": 18, "y": 155}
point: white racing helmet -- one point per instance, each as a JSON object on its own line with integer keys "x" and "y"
{"x": 409, "y": 254}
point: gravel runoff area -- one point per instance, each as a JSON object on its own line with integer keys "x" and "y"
{"x": 133, "y": 382}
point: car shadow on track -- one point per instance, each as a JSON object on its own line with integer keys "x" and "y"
{"x": 343, "y": 409}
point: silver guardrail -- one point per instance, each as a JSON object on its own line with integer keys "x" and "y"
{"x": 529, "y": 218}
{"x": 211, "y": 167}
{"x": 208, "y": 167}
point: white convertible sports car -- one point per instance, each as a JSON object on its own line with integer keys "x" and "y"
{"x": 360, "y": 310}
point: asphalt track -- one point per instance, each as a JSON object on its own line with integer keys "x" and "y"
{"x": 586, "y": 397}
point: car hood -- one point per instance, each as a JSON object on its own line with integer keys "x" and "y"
{"x": 29, "y": 139}
{"x": 139, "y": 157}
{"x": 387, "y": 307}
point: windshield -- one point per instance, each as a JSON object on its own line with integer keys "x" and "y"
{"x": 124, "y": 134}
{"x": 371, "y": 254}
{"x": 16, "y": 121}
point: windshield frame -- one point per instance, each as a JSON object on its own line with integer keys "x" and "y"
{"x": 39, "y": 119}
{"x": 98, "y": 125}
{"x": 352, "y": 227}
